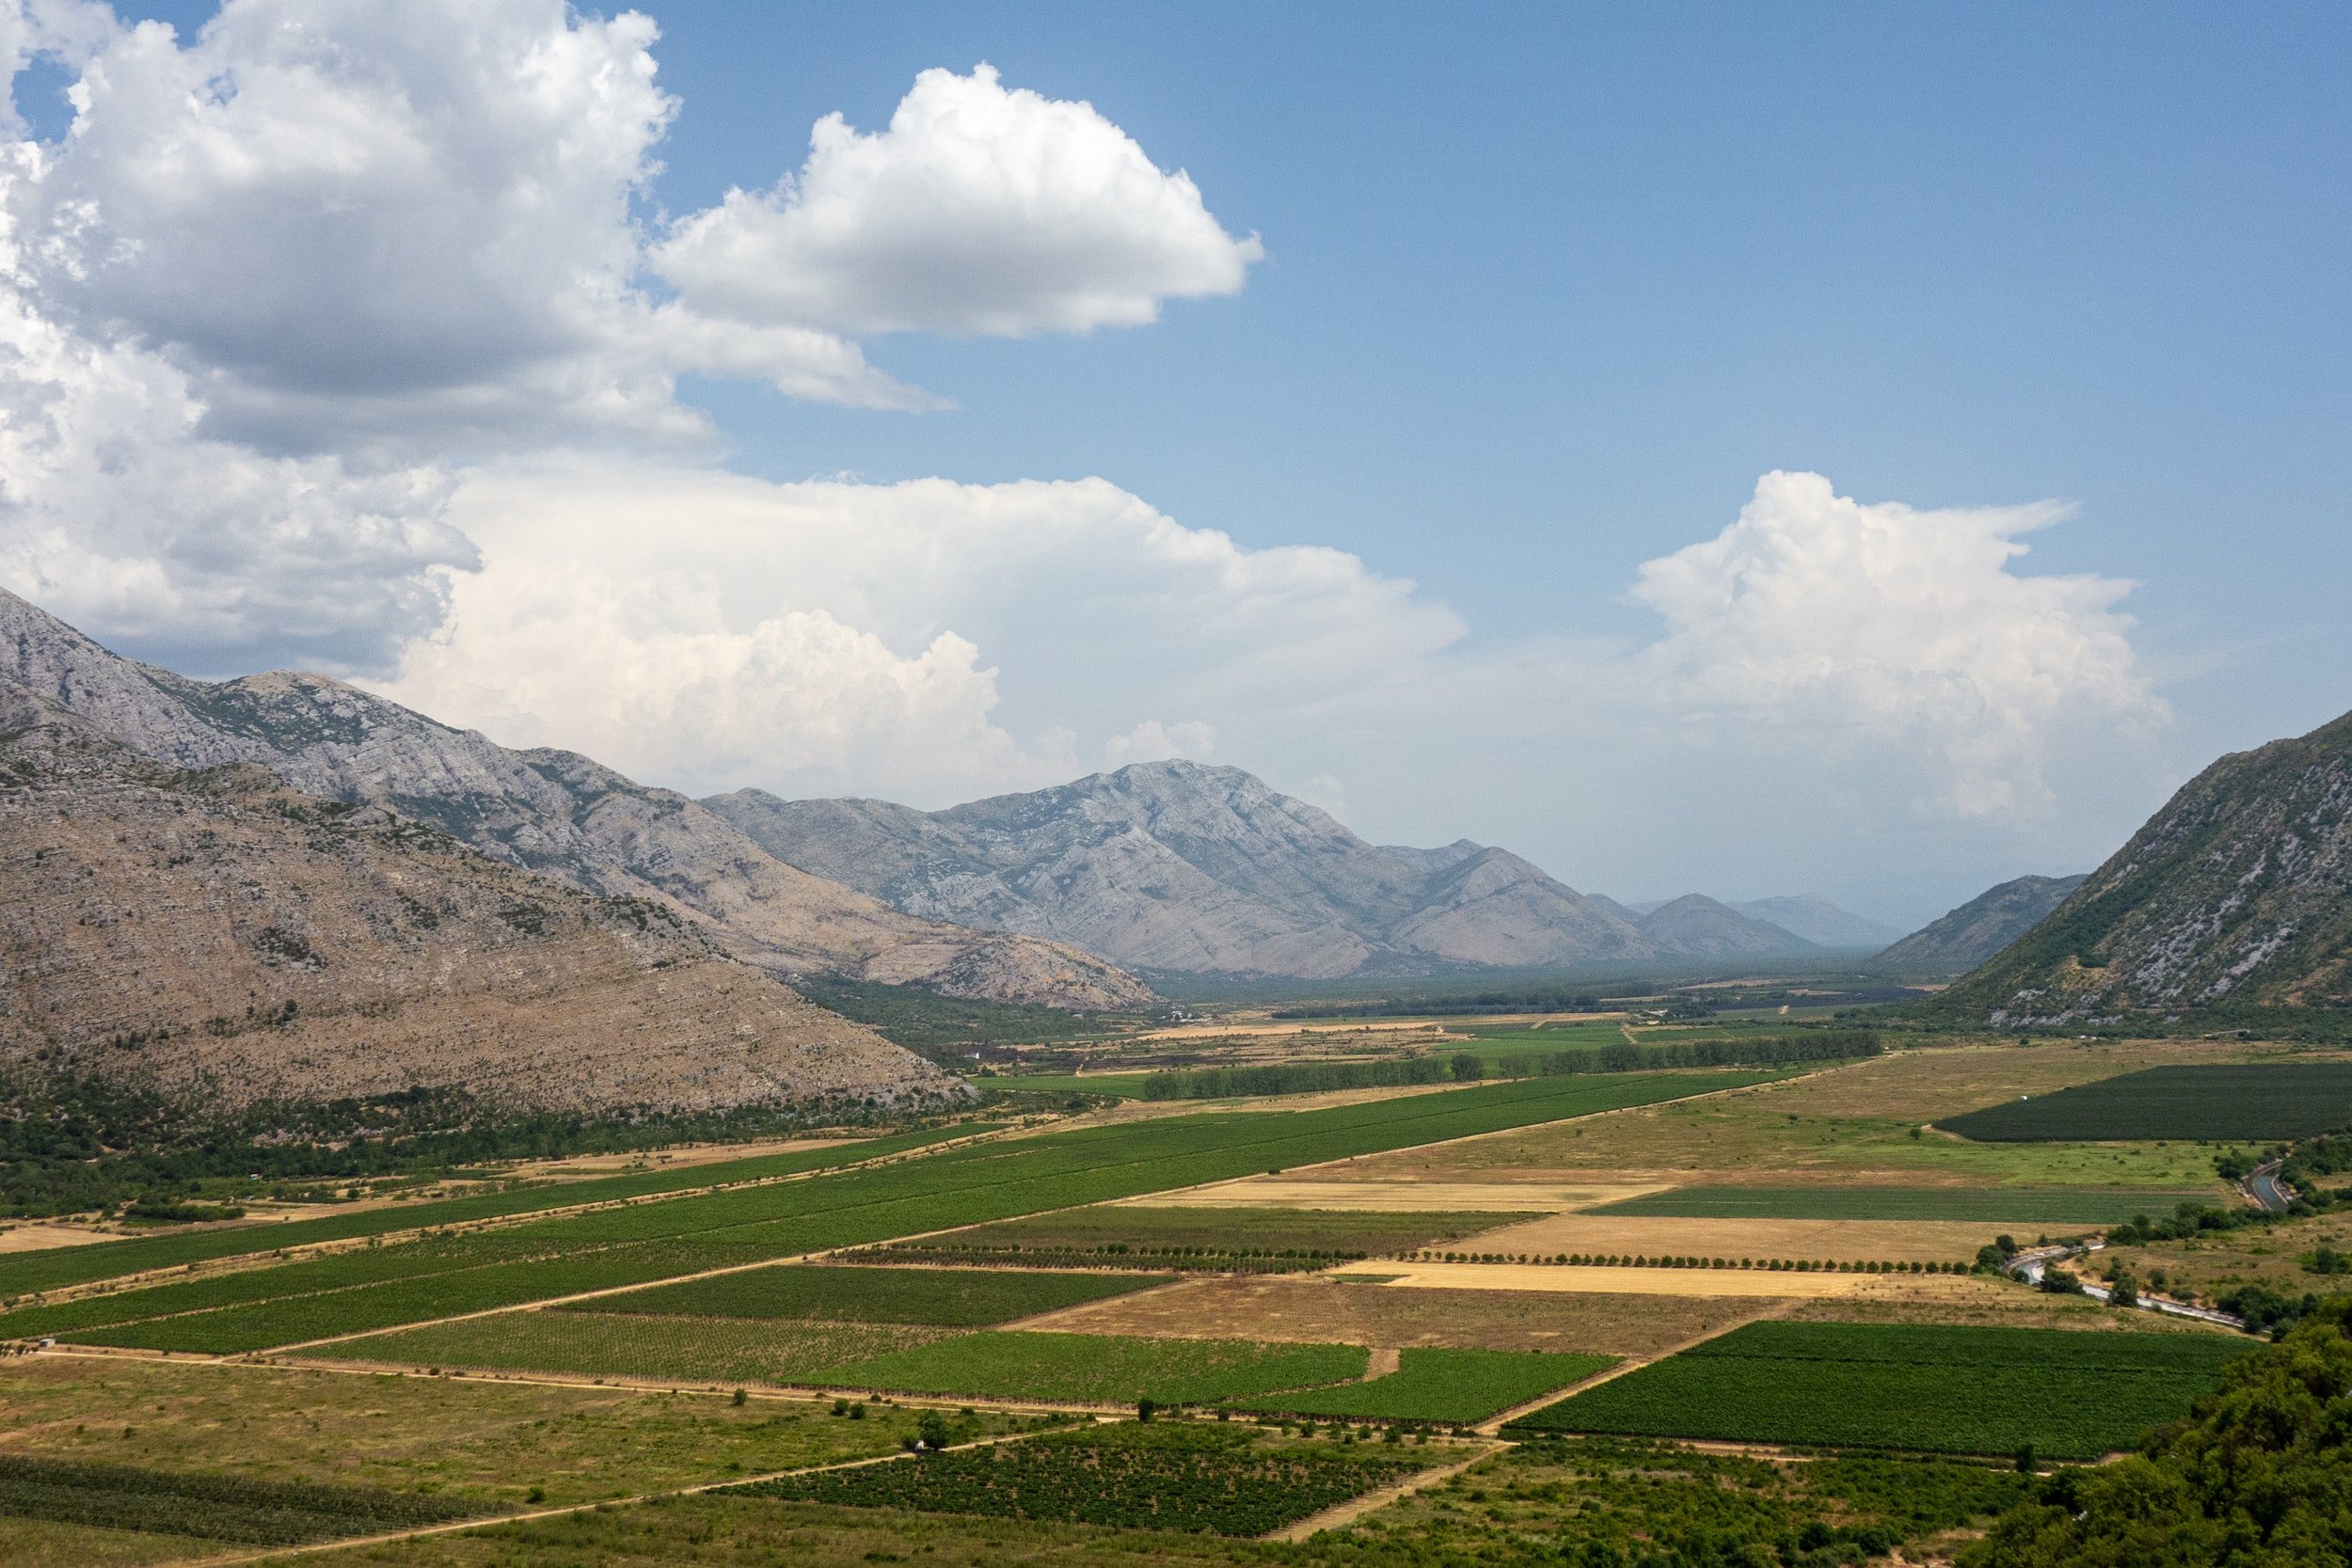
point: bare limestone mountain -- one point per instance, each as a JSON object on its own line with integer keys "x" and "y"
{"x": 1959, "y": 941}
{"x": 1815, "y": 919}
{"x": 2235, "y": 901}
{"x": 215, "y": 935}
{"x": 548, "y": 811}
{"x": 1176, "y": 866}
{"x": 1702, "y": 927}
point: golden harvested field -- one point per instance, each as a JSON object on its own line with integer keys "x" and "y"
{"x": 1288, "y": 1192}
{"x": 1849, "y": 1123}
{"x": 1316, "y": 1308}
{"x": 1702, "y": 1283}
{"x": 1841, "y": 1240}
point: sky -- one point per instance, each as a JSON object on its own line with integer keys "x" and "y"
{"x": 1837, "y": 448}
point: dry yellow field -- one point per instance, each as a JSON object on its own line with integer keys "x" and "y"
{"x": 1568, "y": 1279}
{"x": 1842, "y": 1240}
{"x": 1316, "y": 1308}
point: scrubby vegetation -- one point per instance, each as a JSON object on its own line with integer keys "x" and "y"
{"x": 2257, "y": 1476}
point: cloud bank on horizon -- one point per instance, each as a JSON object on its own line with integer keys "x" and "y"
{"x": 348, "y": 333}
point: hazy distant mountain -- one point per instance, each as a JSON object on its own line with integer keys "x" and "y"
{"x": 1816, "y": 919}
{"x": 1702, "y": 927}
{"x": 2236, "y": 897}
{"x": 1958, "y": 941}
{"x": 1177, "y": 866}
{"x": 552, "y": 812}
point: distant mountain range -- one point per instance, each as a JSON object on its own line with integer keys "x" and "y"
{"x": 2233, "y": 900}
{"x": 1179, "y": 866}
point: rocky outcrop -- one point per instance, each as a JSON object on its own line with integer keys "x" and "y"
{"x": 1176, "y": 866}
{"x": 546, "y": 811}
{"x": 2235, "y": 898}
{"x": 1959, "y": 941}
{"x": 213, "y": 933}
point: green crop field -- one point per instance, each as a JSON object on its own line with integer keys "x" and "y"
{"x": 28, "y": 1272}
{"x": 642, "y": 1243}
{"x": 2070, "y": 1395}
{"x": 2244, "y": 1101}
{"x": 1144, "y": 1228}
{"x": 1455, "y": 1385}
{"x": 953, "y": 1298}
{"x": 211, "y": 1507}
{"x": 1118, "y": 1085}
{"x": 685, "y": 1350}
{"x": 1990, "y": 1205}
{"x": 1099, "y": 1369}
{"x": 1179, "y": 1477}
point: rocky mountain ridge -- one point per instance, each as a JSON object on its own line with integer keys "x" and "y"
{"x": 2234, "y": 899}
{"x": 214, "y": 935}
{"x": 1181, "y": 866}
{"x": 1961, "y": 939}
{"x": 545, "y": 811}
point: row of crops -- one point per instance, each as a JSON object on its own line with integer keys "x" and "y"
{"x": 1171, "y": 1476}
{"x": 952, "y": 1298}
{"x": 28, "y": 1273}
{"x": 210, "y": 1506}
{"x": 1443, "y": 1386}
{"x": 2249, "y": 1103}
{"x": 2069, "y": 1395}
{"x": 646, "y": 1243}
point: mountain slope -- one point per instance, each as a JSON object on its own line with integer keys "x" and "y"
{"x": 1813, "y": 918}
{"x": 546, "y": 811}
{"x": 1959, "y": 939}
{"x": 215, "y": 934}
{"x": 1181, "y": 866}
{"x": 1699, "y": 926}
{"x": 2236, "y": 897}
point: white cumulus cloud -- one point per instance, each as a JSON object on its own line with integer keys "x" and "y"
{"x": 1153, "y": 741}
{"x": 981, "y": 210}
{"x": 1896, "y": 626}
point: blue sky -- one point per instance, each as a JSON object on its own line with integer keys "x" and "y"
{"x": 1545, "y": 291}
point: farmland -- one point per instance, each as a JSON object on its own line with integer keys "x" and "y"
{"x": 209, "y": 1506}
{"x": 2240, "y": 1101}
{"x": 646, "y": 1349}
{"x": 642, "y": 1243}
{"x": 1955, "y": 1390}
{"x": 1199, "y": 1237}
{"x": 1101, "y": 1369}
{"x": 1181, "y": 1476}
{"x": 1981, "y": 1204}
{"x": 1450, "y": 1386}
{"x": 955, "y": 1298}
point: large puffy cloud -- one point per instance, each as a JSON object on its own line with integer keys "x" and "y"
{"x": 979, "y": 210}
{"x": 711, "y": 630}
{"x": 1824, "y": 616}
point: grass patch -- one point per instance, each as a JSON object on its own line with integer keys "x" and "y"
{"x": 1990, "y": 1205}
{"x": 661, "y": 1350}
{"x": 1181, "y": 1476}
{"x": 2231, "y": 1100}
{"x": 211, "y": 1507}
{"x": 1099, "y": 1369}
{"x": 1951, "y": 1390}
{"x": 952, "y": 1298}
{"x": 1455, "y": 1385}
